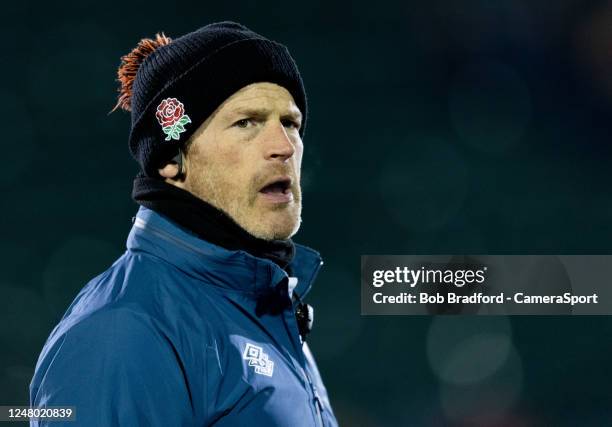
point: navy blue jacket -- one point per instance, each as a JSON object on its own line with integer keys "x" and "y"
{"x": 169, "y": 336}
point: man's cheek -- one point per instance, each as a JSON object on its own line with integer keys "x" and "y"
{"x": 232, "y": 156}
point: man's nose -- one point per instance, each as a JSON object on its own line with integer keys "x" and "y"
{"x": 278, "y": 144}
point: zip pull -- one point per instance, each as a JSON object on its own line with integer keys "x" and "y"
{"x": 316, "y": 397}
{"x": 318, "y": 403}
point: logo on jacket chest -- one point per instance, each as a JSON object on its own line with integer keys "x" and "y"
{"x": 258, "y": 359}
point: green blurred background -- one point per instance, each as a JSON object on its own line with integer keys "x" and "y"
{"x": 435, "y": 127}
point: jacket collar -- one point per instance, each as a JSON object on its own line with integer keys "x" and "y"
{"x": 237, "y": 270}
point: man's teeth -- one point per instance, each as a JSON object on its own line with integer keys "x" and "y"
{"x": 277, "y": 187}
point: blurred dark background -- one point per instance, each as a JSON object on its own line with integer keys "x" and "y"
{"x": 465, "y": 127}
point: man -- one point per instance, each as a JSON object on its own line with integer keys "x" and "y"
{"x": 201, "y": 321}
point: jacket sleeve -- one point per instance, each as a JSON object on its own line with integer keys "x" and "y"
{"x": 117, "y": 369}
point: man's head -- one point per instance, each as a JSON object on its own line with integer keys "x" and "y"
{"x": 245, "y": 160}
{"x": 234, "y": 103}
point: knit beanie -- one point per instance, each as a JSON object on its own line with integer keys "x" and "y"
{"x": 171, "y": 86}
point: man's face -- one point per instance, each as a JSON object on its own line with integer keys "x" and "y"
{"x": 245, "y": 159}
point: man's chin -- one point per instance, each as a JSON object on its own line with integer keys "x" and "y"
{"x": 275, "y": 226}
{"x": 275, "y": 233}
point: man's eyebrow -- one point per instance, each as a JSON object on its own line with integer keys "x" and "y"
{"x": 264, "y": 112}
{"x": 256, "y": 112}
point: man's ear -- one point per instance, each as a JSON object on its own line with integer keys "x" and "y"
{"x": 173, "y": 170}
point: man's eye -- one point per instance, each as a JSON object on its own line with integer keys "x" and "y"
{"x": 291, "y": 123}
{"x": 243, "y": 123}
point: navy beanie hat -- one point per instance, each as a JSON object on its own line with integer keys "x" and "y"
{"x": 171, "y": 86}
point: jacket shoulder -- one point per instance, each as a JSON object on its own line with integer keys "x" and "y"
{"x": 136, "y": 280}
{"x": 103, "y": 366}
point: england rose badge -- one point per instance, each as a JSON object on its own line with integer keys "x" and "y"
{"x": 172, "y": 118}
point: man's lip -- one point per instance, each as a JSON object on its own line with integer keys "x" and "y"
{"x": 286, "y": 197}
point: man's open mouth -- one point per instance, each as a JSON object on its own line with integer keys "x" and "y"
{"x": 280, "y": 185}
{"x": 278, "y": 190}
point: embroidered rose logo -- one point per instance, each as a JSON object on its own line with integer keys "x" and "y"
{"x": 171, "y": 116}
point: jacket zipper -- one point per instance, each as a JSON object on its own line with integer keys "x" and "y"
{"x": 313, "y": 390}
{"x": 317, "y": 399}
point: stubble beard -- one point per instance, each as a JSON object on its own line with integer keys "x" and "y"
{"x": 242, "y": 205}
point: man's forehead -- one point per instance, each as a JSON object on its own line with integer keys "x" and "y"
{"x": 260, "y": 110}
{"x": 263, "y": 98}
